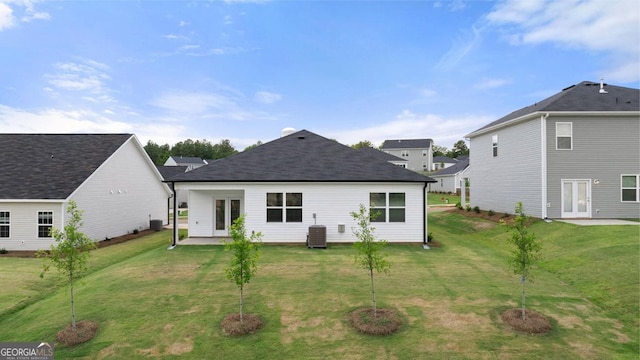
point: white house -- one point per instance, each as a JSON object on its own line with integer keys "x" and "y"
{"x": 302, "y": 179}
{"x": 575, "y": 154}
{"x": 109, "y": 176}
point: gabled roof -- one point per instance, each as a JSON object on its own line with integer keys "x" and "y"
{"x": 584, "y": 97}
{"x": 169, "y": 171}
{"x": 187, "y": 160}
{"x": 445, "y": 159}
{"x": 381, "y": 154}
{"x": 301, "y": 157}
{"x": 51, "y": 166}
{"x": 452, "y": 170}
{"x": 407, "y": 144}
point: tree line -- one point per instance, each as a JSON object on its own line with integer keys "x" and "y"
{"x": 459, "y": 148}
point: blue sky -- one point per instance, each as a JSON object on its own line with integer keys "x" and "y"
{"x": 348, "y": 70}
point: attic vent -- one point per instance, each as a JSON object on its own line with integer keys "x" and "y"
{"x": 300, "y": 137}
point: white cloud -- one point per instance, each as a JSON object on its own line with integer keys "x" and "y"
{"x": 88, "y": 77}
{"x": 408, "y": 125}
{"x": 610, "y": 27}
{"x": 486, "y": 84}
{"x": 7, "y": 19}
{"x": 462, "y": 46}
{"x": 266, "y": 97}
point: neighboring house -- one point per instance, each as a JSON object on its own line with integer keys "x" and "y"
{"x": 449, "y": 179}
{"x": 168, "y": 172}
{"x": 303, "y": 179}
{"x": 109, "y": 176}
{"x": 418, "y": 152}
{"x": 442, "y": 162}
{"x": 385, "y": 156}
{"x": 575, "y": 154}
{"x": 189, "y": 161}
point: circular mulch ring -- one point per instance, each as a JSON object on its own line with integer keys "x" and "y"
{"x": 232, "y": 326}
{"x": 385, "y": 323}
{"x": 534, "y": 322}
{"x": 85, "y": 331}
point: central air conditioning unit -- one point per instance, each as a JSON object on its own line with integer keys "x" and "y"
{"x": 317, "y": 237}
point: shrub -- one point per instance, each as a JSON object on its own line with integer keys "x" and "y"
{"x": 4, "y": 251}
{"x": 459, "y": 205}
{"x": 468, "y": 208}
{"x": 135, "y": 231}
{"x": 429, "y": 237}
{"x": 476, "y": 209}
{"x": 491, "y": 212}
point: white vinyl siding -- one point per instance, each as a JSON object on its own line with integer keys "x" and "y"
{"x": 24, "y": 224}
{"x": 331, "y": 203}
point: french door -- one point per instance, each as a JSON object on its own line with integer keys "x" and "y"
{"x": 226, "y": 211}
{"x": 576, "y": 198}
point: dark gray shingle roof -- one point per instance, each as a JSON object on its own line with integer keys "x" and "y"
{"x": 187, "y": 159}
{"x": 585, "y": 96}
{"x": 169, "y": 171}
{"x": 381, "y": 154}
{"x": 445, "y": 159}
{"x": 459, "y": 166}
{"x": 51, "y": 166}
{"x": 301, "y": 157}
{"x": 407, "y": 144}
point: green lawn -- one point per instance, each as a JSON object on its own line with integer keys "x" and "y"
{"x": 440, "y": 199}
{"x": 151, "y": 302}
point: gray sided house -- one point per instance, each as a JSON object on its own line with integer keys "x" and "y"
{"x": 109, "y": 176}
{"x": 417, "y": 152}
{"x": 190, "y": 162}
{"x": 450, "y": 178}
{"x": 302, "y": 179}
{"x": 575, "y": 154}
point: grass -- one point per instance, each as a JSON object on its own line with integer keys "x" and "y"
{"x": 439, "y": 199}
{"x": 151, "y": 302}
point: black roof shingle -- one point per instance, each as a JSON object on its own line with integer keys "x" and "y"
{"x": 407, "y": 144}
{"x": 301, "y": 157}
{"x": 51, "y": 166}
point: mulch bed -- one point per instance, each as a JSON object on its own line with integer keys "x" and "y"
{"x": 232, "y": 326}
{"x": 385, "y": 323}
{"x": 101, "y": 244}
{"x": 85, "y": 331}
{"x": 534, "y": 322}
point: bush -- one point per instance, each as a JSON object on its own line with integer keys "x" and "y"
{"x": 429, "y": 237}
{"x": 4, "y": 251}
{"x": 491, "y": 212}
{"x": 468, "y": 208}
{"x": 135, "y": 231}
{"x": 459, "y": 205}
{"x": 476, "y": 209}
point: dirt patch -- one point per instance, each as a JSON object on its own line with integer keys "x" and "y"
{"x": 385, "y": 322}
{"x": 533, "y": 323}
{"x": 100, "y": 244}
{"x": 181, "y": 347}
{"x": 85, "y": 331}
{"x": 620, "y": 337}
{"x": 232, "y": 326}
{"x": 570, "y": 322}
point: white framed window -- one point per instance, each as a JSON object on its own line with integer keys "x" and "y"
{"x": 564, "y": 136}
{"x": 425, "y": 152}
{"x": 424, "y": 164}
{"x": 387, "y": 207}
{"x": 494, "y": 145}
{"x": 45, "y": 222}
{"x": 5, "y": 224}
{"x": 404, "y": 153}
{"x": 630, "y": 188}
{"x": 284, "y": 207}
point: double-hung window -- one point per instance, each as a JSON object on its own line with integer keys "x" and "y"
{"x": 387, "y": 207}
{"x": 404, "y": 153}
{"x": 564, "y": 136}
{"x": 494, "y": 145}
{"x": 284, "y": 207}
{"x": 5, "y": 224}
{"x": 45, "y": 222}
{"x": 630, "y": 188}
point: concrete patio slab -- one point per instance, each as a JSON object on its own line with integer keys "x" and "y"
{"x": 598, "y": 222}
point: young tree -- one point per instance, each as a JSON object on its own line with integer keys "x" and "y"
{"x": 526, "y": 249}
{"x": 70, "y": 253}
{"x": 246, "y": 251}
{"x": 363, "y": 144}
{"x": 440, "y": 150}
{"x": 369, "y": 255}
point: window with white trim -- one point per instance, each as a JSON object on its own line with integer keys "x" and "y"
{"x": 425, "y": 152}
{"x": 404, "y": 153}
{"x": 494, "y": 145}
{"x": 424, "y": 164}
{"x": 630, "y": 188}
{"x": 284, "y": 207}
{"x": 564, "y": 136}
{"x": 45, "y": 222}
{"x": 387, "y": 207}
{"x": 5, "y": 224}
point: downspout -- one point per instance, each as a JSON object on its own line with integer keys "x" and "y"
{"x": 543, "y": 164}
{"x": 174, "y": 238}
{"x": 424, "y": 216}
